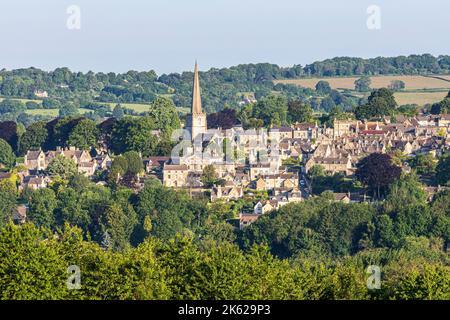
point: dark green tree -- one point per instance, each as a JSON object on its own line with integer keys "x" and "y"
{"x": 72, "y": 209}
{"x": 119, "y": 225}
{"x": 42, "y": 206}
{"x": 442, "y": 107}
{"x": 443, "y": 170}
{"x": 381, "y": 103}
{"x": 84, "y": 135}
{"x": 323, "y": 87}
{"x": 424, "y": 164}
{"x": 118, "y": 112}
{"x": 9, "y": 133}
{"x": 62, "y": 167}
{"x": 408, "y": 190}
{"x": 363, "y": 84}
{"x": 396, "y": 85}
{"x": 135, "y": 164}
{"x": 8, "y": 197}
{"x": 134, "y": 134}
{"x": 327, "y": 104}
{"x": 7, "y": 157}
{"x": 171, "y": 212}
{"x": 68, "y": 109}
{"x": 165, "y": 115}
{"x": 34, "y": 137}
{"x": 209, "y": 176}
{"x": 299, "y": 112}
{"x": 272, "y": 110}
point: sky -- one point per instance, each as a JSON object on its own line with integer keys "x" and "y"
{"x": 169, "y": 35}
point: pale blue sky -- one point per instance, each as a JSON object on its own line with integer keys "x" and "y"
{"x": 168, "y": 35}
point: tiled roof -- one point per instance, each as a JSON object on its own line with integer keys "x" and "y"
{"x": 175, "y": 167}
{"x": 304, "y": 126}
{"x": 281, "y": 129}
{"x": 33, "y": 155}
{"x": 5, "y": 175}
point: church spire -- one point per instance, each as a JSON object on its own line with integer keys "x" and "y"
{"x": 196, "y": 99}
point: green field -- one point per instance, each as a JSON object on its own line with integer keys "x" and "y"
{"x": 184, "y": 110}
{"x": 141, "y": 107}
{"x": 138, "y": 107}
{"x": 43, "y": 112}
{"x": 134, "y": 106}
{"x": 22, "y": 100}
{"x": 419, "y": 98}
{"x": 51, "y": 112}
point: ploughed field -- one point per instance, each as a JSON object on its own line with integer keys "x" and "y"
{"x": 418, "y": 89}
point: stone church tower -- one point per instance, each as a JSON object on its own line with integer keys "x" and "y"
{"x": 196, "y": 121}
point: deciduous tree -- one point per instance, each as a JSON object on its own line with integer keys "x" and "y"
{"x": 62, "y": 167}
{"x": 34, "y": 137}
{"x": 42, "y": 206}
{"x": 7, "y": 157}
{"x": 377, "y": 172}
{"x": 84, "y": 135}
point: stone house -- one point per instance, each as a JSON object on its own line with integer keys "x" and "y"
{"x": 78, "y": 156}
{"x": 306, "y": 131}
{"x": 281, "y": 180}
{"x": 246, "y": 219}
{"x": 20, "y": 214}
{"x": 104, "y": 162}
{"x": 35, "y": 160}
{"x": 87, "y": 168}
{"x": 227, "y": 193}
{"x": 280, "y": 133}
{"x": 332, "y": 165}
{"x": 175, "y": 175}
{"x": 36, "y": 182}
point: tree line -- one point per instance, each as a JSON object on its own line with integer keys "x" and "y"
{"x": 221, "y": 87}
{"x": 148, "y": 134}
{"x": 35, "y": 267}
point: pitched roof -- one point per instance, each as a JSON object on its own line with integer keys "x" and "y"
{"x": 304, "y": 126}
{"x": 156, "y": 161}
{"x": 5, "y": 175}
{"x": 248, "y": 217}
{"x": 281, "y": 129}
{"x": 35, "y": 180}
{"x": 331, "y": 160}
{"x": 33, "y": 155}
{"x": 372, "y": 132}
{"x": 22, "y": 210}
{"x": 87, "y": 164}
{"x": 340, "y": 196}
{"x": 174, "y": 167}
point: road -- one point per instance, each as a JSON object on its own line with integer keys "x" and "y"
{"x": 305, "y": 189}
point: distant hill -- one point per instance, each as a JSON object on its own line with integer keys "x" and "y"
{"x": 220, "y": 87}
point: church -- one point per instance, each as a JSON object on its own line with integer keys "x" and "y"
{"x": 202, "y": 151}
{"x": 248, "y": 155}
{"x": 196, "y": 121}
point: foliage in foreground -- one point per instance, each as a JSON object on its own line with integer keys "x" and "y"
{"x": 33, "y": 265}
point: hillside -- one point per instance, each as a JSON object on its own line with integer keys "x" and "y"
{"x": 418, "y": 89}
{"x": 427, "y": 79}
